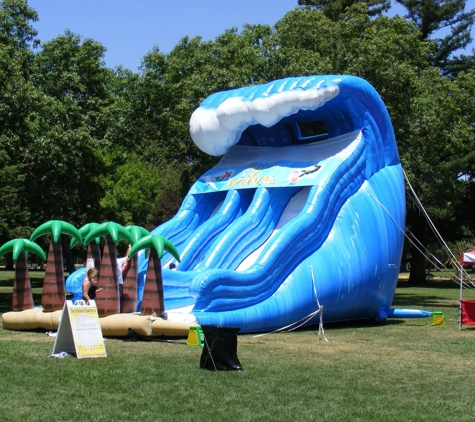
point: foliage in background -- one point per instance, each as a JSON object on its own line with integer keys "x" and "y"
{"x": 432, "y": 16}
{"x": 80, "y": 142}
{"x": 335, "y": 9}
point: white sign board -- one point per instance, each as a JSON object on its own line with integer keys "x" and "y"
{"x": 79, "y": 331}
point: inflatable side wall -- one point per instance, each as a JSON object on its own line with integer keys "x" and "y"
{"x": 290, "y": 213}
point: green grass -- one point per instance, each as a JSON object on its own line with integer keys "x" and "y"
{"x": 400, "y": 370}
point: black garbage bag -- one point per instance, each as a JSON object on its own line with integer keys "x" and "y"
{"x": 220, "y": 349}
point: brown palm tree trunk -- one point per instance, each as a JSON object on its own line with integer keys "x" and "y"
{"x": 128, "y": 301}
{"x": 94, "y": 252}
{"x": 153, "y": 299}
{"x": 22, "y": 295}
{"x": 53, "y": 285}
{"x": 107, "y": 300}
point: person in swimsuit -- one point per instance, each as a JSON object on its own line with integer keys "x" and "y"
{"x": 89, "y": 285}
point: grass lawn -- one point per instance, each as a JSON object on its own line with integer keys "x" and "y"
{"x": 399, "y": 370}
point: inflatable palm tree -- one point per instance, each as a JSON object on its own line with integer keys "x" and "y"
{"x": 153, "y": 300}
{"x": 22, "y": 298}
{"x": 108, "y": 301}
{"x": 93, "y": 248}
{"x": 54, "y": 295}
{"x": 128, "y": 301}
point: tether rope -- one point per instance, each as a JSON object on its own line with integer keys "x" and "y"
{"x": 421, "y": 248}
{"x": 305, "y": 319}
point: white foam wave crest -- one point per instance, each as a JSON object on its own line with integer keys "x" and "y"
{"x": 215, "y": 130}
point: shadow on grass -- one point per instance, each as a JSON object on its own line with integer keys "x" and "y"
{"x": 430, "y": 284}
{"x": 6, "y": 301}
{"x": 408, "y": 300}
{"x": 6, "y": 291}
{"x": 420, "y": 297}
{"x": 411, "y": 295}
{"x": 351, "y": 324}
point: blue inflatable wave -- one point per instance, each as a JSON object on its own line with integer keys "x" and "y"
{"x": 286, "y": 216}
{"x": 73, "y": 283}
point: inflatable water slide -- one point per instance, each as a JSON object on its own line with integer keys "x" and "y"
{"x": 291, "y": 213}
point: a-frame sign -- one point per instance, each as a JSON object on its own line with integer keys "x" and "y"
{"x": 79, "y": 331}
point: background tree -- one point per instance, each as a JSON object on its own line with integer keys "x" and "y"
{"x": 17, "y": 93}
{"x": 15, "y": 25}
{"x": 437, "y": 147}
{"x": 430, "y": 113}
{"x": 14, "y": 213}
{"x": 433, "y": 16}
{"x": 333, "y": 9}
{"x": 64, "y": 156}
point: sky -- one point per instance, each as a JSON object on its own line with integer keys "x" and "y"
{"x": 129, "y": 29}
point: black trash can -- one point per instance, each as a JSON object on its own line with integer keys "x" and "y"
{"x": 220, "y": 349}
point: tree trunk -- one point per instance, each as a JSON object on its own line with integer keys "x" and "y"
{"x": 418, "y": 261}
{"x": 9, "y": 261}
{"x": 67, "y": 255}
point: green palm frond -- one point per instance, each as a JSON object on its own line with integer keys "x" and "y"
{"x": 157, "y": 242}
{"x": 16, "y": 246}
{"x": 114, "y": 230}
{"x": 56, "y": 228}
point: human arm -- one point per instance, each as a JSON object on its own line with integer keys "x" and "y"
{"x": 122, "y": 263}
{"x": 85, "y": 289}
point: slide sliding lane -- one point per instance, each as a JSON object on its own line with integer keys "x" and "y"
{"x": 292, "y": 210}
{"x": 223, "y": 290}
{"x": 195, "y": 210}
{"x": 199, "y": 242}
{"x": 250, "y": 231}
{"x": 247, "y": 232}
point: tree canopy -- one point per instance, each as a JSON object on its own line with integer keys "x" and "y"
{"x": 334, "y": 9}
{"x": 449, "y": 24}
{"x": 80, "y": 142}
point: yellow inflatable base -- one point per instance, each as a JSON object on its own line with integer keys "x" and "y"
{"x": 112, "y": 326}
{"x": 31, "y": 319}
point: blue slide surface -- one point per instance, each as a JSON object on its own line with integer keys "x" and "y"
{"x": 286, "y": 214}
